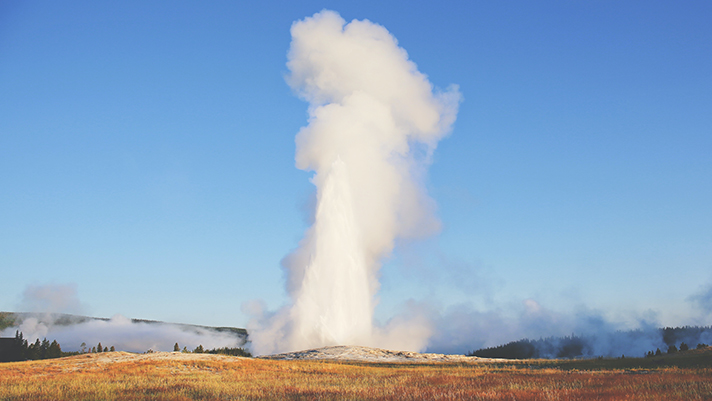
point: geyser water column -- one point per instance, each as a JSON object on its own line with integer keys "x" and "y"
{"x": 334, "y": 303}
{"x": 373, "y": 124}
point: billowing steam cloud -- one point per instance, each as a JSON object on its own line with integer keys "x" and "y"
{"x": 53, "y": 298}
{"x": 374, "y": 121}
{"x": 703, "y": 300}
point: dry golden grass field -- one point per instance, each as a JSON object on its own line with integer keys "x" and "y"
{"x": 176, "y": 376}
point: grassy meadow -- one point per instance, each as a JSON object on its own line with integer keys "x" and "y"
{"x": 168, "y": 376}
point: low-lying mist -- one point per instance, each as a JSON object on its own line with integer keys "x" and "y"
{"x": 121, "y": 332}
{"x": 583, "y": 332}
{"x": 51, "y": 315}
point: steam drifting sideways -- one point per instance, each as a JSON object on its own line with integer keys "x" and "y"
{"x": 374, "y": 121}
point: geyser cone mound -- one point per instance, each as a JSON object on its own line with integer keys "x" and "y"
{"x": 369, "y": 354}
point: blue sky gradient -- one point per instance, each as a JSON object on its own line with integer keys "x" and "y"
{"x": 147, "y": 156}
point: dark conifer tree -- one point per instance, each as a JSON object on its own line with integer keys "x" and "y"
{"x": 20, "y": 347}
{"x": 44, "y": 348}
{"x": 54, "y": 351}
{"x": 17, "y": 351}
{"x": 33, "y": 350}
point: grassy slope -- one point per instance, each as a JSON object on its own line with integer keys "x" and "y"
{"x": 114, "y": 376}
{"x": 10, "y": 319}
{"x": 7, "y": 319}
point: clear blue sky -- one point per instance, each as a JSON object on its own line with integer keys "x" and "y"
{"x": 147, "y": 155}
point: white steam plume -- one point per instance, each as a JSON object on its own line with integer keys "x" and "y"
{"x": 51, "y": 298}
{"x": 374, "y": 121}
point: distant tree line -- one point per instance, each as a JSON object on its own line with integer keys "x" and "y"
{"x": 673, "y": 349}
{"x": 675, "y": 339}
{"x": 96, "y": 348}
{"x": 222, "y": 351}
{"x": 18, "y": 349}
{"x": 230, "y": 351}
{"x": 558, "y": 347}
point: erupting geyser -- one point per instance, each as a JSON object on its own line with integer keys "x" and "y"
{"x": 374, "y": 121}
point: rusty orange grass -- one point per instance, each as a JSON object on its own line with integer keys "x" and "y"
{"x": 165, "y": 376}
